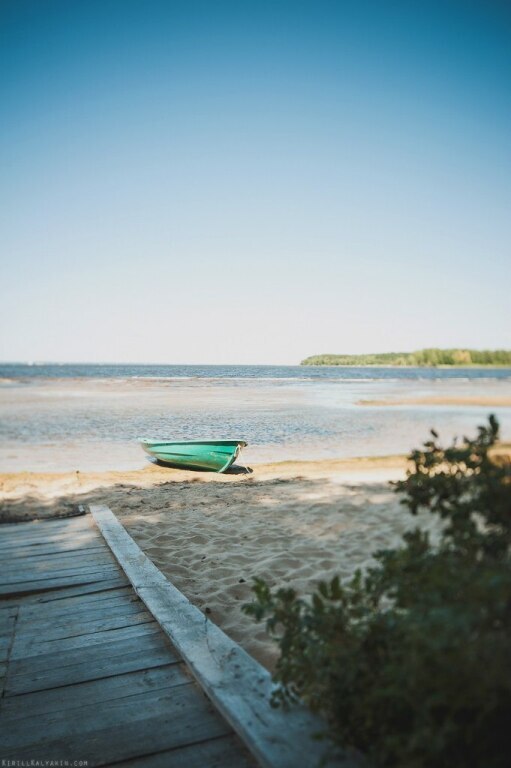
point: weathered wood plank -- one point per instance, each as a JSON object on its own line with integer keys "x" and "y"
{"x": 8, "y": 610}
{"x": 8, "y": 606}
{"x": 51, "y": 523}
{"x": 6, "y": 622}
{"x": 110, "y": 688}
{"x": 57, "y": 571}
{"x": 85, "y": 641}
{"x": 39, "y": 585}
{"x": 28, "y": 540}
{"x": 39, "y": 557}
{"x": 238, "y": 686}
{"x": 80, "y": 592}
{"x": 45, "y": 533}
{"x": 32, "y": 544}
{"x": 98, "y": 668}
{"x": 224, "y": 752}
{"x": 54, "y": 560}
{"x": 20, "y": 552}
{"x": 110, "y": 651}
{"x": 30, "y": 623}
{"x": 80, "y": 603}
{"x": 20, "y": 576}
{"x": 128, "y": 740}
{"x": 28, "y": 639}
{"x": 53, "y": 596}
{"x": 116, "y": 730}
{"x": 81, "y": 589}
{"x": 72, "y": 522}
{"x": 6, "y": 637}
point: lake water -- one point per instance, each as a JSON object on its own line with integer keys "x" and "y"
{"x": 89, "y": 417}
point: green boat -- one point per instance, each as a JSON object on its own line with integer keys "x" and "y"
{"x": 213, "y": 455}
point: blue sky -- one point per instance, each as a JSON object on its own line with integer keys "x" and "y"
{"x": 253, "y": 182}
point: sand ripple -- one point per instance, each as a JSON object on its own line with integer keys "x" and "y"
{"x": 212, "y": 539}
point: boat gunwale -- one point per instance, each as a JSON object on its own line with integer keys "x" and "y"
{"x": 152, "y": 442}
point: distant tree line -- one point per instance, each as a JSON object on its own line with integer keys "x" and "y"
{"x": 423, "y": 357}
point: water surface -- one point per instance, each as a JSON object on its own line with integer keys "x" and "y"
{"x": 56, "y": 418}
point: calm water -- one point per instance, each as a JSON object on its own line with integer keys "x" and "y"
{"x": 55, "y": 417}
{"x": 240, "y": 372}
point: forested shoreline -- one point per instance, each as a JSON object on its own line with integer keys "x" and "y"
{"x": 423, "y": 357}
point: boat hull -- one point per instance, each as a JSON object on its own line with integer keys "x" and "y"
{"x": 208, "y": 455}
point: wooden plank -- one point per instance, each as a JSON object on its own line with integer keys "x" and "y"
{"x": 33, "y": 542}
{"x": 45, "y": 536}
{"x": 51, "y": 558}
{"x": 25, "y": 643}
{"x": 22, "y": 575}
{"x": 39, "y": 585}
{"x": 75, "y": 696}
{"x": 116, "y": 730}
{"x": 99, "y": 667}
{"x": 6, "y": 637}
{"x": 53, "y": 562}
{"x": 8, "y": 606}
{"x": 174, "y": 728}
{"x": 79, "y": 603}
{"x": 108, "y": 651}
{"x": 85, "y": 641}
{"x": 47, "y": 524}
{"x": 224, "y": 752}
{"x": 33, "y": 553}
{"x": 6, "y": 621}
{"x": 238, "y": 686}
{"x": 62, "y": 592}
{"x": 56, "y": 569}
{"x": 29, "y": 639}
{"x": 90, "y": 616}
{"x": 61, "y": 573}
{"x": 38, "y": 622}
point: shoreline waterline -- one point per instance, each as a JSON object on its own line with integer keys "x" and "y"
{"x": 90, "y": 423}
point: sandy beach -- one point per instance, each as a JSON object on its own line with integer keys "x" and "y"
{"x": 481, "y": 401}
{"x": 292, "y": 523}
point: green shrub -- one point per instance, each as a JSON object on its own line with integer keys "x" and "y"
{"x": 410, "y": 663}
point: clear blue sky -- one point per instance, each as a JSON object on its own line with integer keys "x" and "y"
{"x": 251, "y": 182}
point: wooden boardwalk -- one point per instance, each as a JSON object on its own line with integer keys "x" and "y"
{"x": 86, "y": 673}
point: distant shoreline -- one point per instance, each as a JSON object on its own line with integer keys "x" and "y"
{"x": 445, "y": 366}
{"x": 421, "y": 358}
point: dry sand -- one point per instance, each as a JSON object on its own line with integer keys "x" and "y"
{"x": 458, "y": 400}
{"x": 292, "y": 523}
